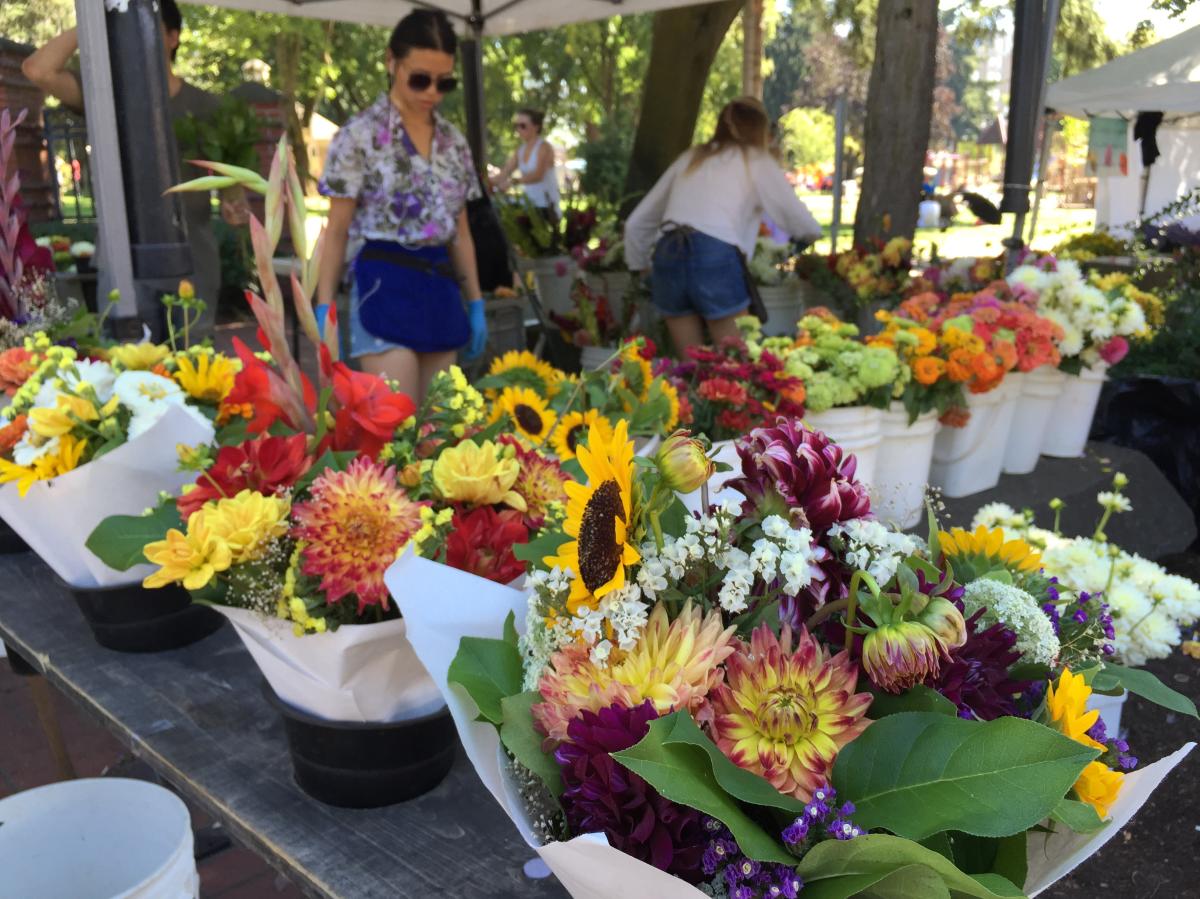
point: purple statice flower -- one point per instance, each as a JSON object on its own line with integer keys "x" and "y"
{"x": 599, "y": 794}
{"x": 1052, "y": 613}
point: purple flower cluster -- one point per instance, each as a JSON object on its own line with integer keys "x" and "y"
{"x": 1118, "y": 748}
{"x": 1084, "y": 626}
{"x": 820, "y": 812}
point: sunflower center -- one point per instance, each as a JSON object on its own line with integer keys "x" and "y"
{"x": 574, "y": 435}
{"x": 787, "y": 716}
{"x": 528, "y": 418}
{"x": 599, "y": 552}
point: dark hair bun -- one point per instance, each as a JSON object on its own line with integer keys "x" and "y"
{"x": 537, "y": 116}
{"x": 423, "y": 29}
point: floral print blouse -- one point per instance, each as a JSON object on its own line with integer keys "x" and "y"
{"x": 401, "y": 196}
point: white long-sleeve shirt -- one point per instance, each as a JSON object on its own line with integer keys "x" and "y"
{"x": 724, "y": 197}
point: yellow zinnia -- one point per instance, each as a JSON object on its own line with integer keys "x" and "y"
{"x": 1066, "y": 707}
{"x": 209, "y": 379}
{"x": 601, "y": 519}
{"x": 247, "y": 523}
{"x": 479, "y": 474}
{"x": 192, "y": 559}
{"x": 138, "y": 356}
{"x": 526, "y": 411}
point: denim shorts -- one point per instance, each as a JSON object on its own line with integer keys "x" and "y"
{"x": 695, "y": 274}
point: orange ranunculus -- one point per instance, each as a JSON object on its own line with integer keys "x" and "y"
{"x": 927, "y": 369}
{"x": 958, "y": 366}
{"x": 12, "y": 433}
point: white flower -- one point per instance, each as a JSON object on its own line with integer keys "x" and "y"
{"x": 999, "y": 515}
{"x": 1114, "y": 502}
{"x": 600, "y": 652}
{"x": 776, "y": 526}
{"x": 143, "y": 391}
{"x": 1028, "y": 276}
{"x": 83, "y": 248}
{"x": 1019, "y": 612}
{"x": 31, "y": 447}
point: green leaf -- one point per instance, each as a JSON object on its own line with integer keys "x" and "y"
{"x": 835, "y": 869}
{"x": 489, "y": 670}
{"x": 1079, "y": 816}
{"x": 907, "y": 882}
{"x": 915, "y": 699}
{"x": 522, "y": 739}
{"x": 1145, "y": 685}
{"x": 684, "y": 770}
{"x": 119, "y": 540}
{"x": 918, "y": 773}
{"x": 510, "y": 630}
{"x": 1012, "y": 859}
{"x": 546, "y": 544}
{"x": 978, "y": 856}
{"x": 337, "y": 461}
{"x": 574, "y": 470}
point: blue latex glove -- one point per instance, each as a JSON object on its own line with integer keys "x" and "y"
{"x": 322, "y": 314}
{"x": 478, "y": 330}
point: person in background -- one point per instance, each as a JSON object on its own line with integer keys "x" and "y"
{"x": 398, "y": 177}
{"x": 532, "y": 164}
{"x": 696, "y": 226}
{"x": 47, "y": 68}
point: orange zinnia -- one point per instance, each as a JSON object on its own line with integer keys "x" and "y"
{"x": 958, "y": 366}
{"x": 11, "y": 433}
{"x": 928, "y": 369}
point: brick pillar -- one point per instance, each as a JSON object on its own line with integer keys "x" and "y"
{"x": 17, "y": 93}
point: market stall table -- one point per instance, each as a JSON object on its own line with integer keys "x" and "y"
{"x": 197, "y": 716}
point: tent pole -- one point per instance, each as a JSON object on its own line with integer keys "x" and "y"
{"x": 839, "y": 150}
{"x": 473, "y": 87}
{"x": 1043, "y": 155}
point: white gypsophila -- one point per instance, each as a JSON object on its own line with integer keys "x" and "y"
{"x": 626, "y": 614}
{"x": 776, "y": 527}
{"x": 652, "y": 576}
{"x": 873, "y": 547}
{"x": 1017, "y": 611}
{"x": 1131, "y": 319}
{"x": 737, "y": 581}
{"x": 998, "y": 515}
{"x": 549, "y": 589}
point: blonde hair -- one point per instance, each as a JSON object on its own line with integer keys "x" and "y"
{"x": 743, "y": 123}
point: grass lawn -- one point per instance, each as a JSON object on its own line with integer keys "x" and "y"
{"x": 964, "y": 237}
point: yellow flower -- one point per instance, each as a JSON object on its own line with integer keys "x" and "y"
{"x": 1111, "y": 281}
{"x": 46, "y": 467}
{"x": 524, "y": 369}
{"x": 672, "y": 395}
{"x": 986, "y": 545}
{"x": 527, "y": 412}
{"x": 1066, "y": 707}
{"x": 600, "y": 516}
{"x": 573, "y": 428}
{"x": 193, "y": 559}
{"x": 64, "y": 417}
{"x": 636, "y": 373}
{"x": 138, "y": 356}
{"x": 477, "y": 474}
{"x": 248, "y": 522}
{"x": 1098, "y": 785}
{"x": 209, "y": 380}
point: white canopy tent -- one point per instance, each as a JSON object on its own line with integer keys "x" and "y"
{"x": 1164, "y": 77}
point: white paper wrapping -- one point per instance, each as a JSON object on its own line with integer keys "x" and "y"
{"x": 56, "y": 517}
{"x": 587, "y": 866}
{"x": 359, "y": 673}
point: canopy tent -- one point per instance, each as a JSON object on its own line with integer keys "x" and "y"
{"x": 1164, "y": 77}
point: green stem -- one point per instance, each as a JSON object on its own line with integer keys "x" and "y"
{"x": 826, "y": 611}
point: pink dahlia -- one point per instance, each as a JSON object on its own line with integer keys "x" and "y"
{"x": 353, "y": 525}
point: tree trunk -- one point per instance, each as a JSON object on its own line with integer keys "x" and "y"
{"x": 288, "y": 46}
{"x": 682, "y": 49}
{"x": 899, "y": 108}
{"x": 752, "y": 49}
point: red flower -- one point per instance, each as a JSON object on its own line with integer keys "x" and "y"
{"x": 481, "y": 542}
{"x": 368, "y": 411}
{"x": 267, "y": 465}
{"x": 259, "y": 386}
{"x": 721, "y": 390}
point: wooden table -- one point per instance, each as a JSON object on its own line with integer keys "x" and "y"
{"x": 197, "y": 716}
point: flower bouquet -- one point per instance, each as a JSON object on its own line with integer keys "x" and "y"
{"x": 726, "y": 704}
{"x": 863, "y": 279}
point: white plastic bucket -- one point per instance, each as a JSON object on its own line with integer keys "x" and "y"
{"x": 857, "y": 430}
{"x": 615, "y": 285}
{"x": 1072, "y": 417}
{"x": 555, "y": 275}
{"x": 593, "y": 358}
{"x": 98, "y": 838}
{"x": 723, "y": 451}
{"x": 1110, "y": 711}
{"x": 784, "y": 306}
{"x": 1040, "y": 389}
{"x": 902, "y": 465}
{"x": 967, "y": 460}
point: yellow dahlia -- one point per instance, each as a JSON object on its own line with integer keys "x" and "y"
{"x": 1066, "y": 707}
{"x": 573, "y": 429}
{"x": 786, "y": 712}
{"x": 248, "y": 522}
{"x": 355, "y": 524}
{"x": 192, "y": 559}
{"x": 524, "y": 369}
{"x": 479, "y": 474}
{"x": 138, "y": 356}
{"x": 989, "y": 546}
{"x": 208, "y": 379}
{"x": 676, "y": 664}
{"x": 526, "y": 411}
{"x": 600, "y": 516}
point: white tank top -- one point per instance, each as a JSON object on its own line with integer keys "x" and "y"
{"x": 542, "y": 193}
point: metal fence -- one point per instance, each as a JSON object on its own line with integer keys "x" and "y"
{"x": 70, "y": 160}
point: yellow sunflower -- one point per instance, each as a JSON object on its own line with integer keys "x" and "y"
{"x": 527, "y": 411}
{"x": 672, "y": 396}
{"x": 637, "y": 374}
{"x": 574, "y": 427}
{"x": 524, "y": 369}
{"x": 986, "y": 549}
{"x": 600, "y": 516}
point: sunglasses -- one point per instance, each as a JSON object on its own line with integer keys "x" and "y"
{"x": 520, "y": 126}
{"x": 423, "y": 81}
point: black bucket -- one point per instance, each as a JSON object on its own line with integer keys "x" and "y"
{"x": 10, "y": 542}
{"x": 134, "y": 619}
{"x": 356, "y": 765}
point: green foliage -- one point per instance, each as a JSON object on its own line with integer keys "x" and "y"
{"x": 119, "y": 540}
{"x": 919, "y": 773}
{"x": 489, "y": 670}
{"x": 229, "y": 135}
{"x": 916, "y": 699}
{"x": 1144, "y": 684}
{"x": 1079, "y": 816}
{"x": 521, "y": 737}
{"x": 807, "y": 137}
{"x": 606, "y": 163}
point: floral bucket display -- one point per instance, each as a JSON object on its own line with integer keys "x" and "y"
{"x": 1074, "y": 410}
{"x": 554, "y": 276}
{"x": 902, "y": 467}
{"x": 857, "y": 430}
{"x": 968, "y": 460}
{"x": 784, "y": 305}
{"x": 1033, "y": 417}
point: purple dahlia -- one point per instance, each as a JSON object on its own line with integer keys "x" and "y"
{"x": 599, "y": 794}
{"x": 975, "y": 677}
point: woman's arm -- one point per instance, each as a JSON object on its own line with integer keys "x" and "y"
{"x": 47, "y": 68}
{"x": 504, "y": 179}
{"x": 779, "y": 200}
{"x": 642, "y": 225}
{"x": 462, "y": 254}
{"x": 333, "y": 250}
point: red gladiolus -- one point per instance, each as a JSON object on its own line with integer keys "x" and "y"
{"x": 368, "y": 411}
{"x": 260, "y": 387}
{"x": 268, "y": 465}
{"x": 481, "y": 542}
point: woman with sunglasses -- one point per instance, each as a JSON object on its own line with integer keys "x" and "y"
{"x": 398, "y": 177}
{"x": 532, "y": 164}
{"x": 700, "y": 222}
